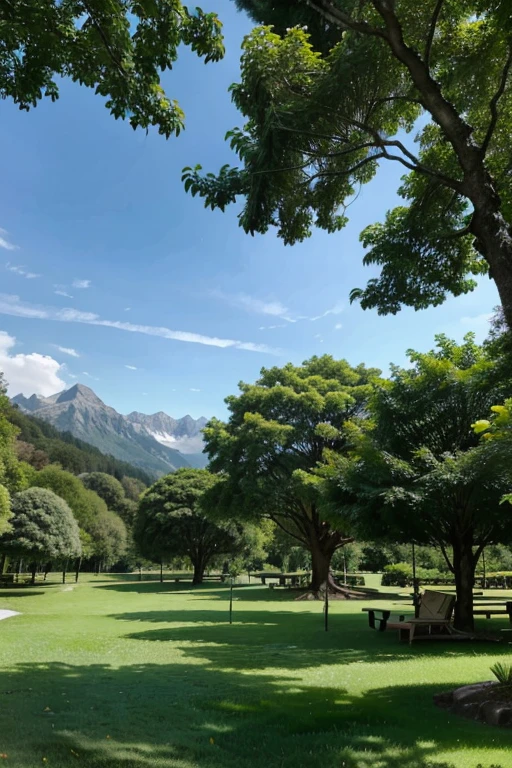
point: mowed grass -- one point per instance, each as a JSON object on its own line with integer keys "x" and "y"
{"x": 149, "y": 675}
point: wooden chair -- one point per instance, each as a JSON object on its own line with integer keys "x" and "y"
{"x": 433, "y": 621}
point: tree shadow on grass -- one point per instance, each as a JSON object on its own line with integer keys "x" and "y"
{"x": 20, "y": 593}
{"x": 247, "y": 593}
{"x": 192, "y": 716}
{"x": 294, "y": 640}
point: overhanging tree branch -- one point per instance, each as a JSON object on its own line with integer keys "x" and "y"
{"x": 342, "y": 20}
{"x": 493, "y": 106}
{"x": 432, "y": 31}
{"x": 105, "y": 40}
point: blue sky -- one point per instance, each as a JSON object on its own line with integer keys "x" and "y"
{"x": 169, "y": 305}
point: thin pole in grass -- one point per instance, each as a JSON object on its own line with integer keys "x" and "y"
{"x": 415, "y": 584}
{"x": 231, "y": 600}
{"x": 326, "y": 607}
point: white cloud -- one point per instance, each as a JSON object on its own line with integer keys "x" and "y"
{"x": 127, "y": 309}
{"x": 194, "y": 389}
{"x": 336, "y": 310}
{"x": 338, "y": 326}
{"x": 89, "y": 376}
{"x": 29, "y": 374}
{"x": 81, "y": 283}
{"x": 478, "y": 324}
{"x": 72, "y": 376}
{"x": 60, "y": 290}
{"x": 11, "y": 305}
{"x": 273, "y": 308}
{"x": 477, "y": 320}
{"x": 75, "y": 316}
{"x": 4, "y": 243}
{"x": 19, "y": 270}
{"x": 66, "y": 350}
{"x": 131, "y": 367}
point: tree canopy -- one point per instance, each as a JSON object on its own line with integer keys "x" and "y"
{"x": 109, "y": 538}
{"x": 328, "y": 90}
{"x": 12, "y": 478}
{"x": 278, "y": 433}
{"x": 42, "y": 528}
{"x": 171, "y": 522}
{"x": 107, "y": 488}
{"x": 117, "y": 47}
{"x": 417, "y": 472}
{"x": 85, "y": 504}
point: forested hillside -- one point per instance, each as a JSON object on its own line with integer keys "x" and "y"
{"x": 62, "y": 448}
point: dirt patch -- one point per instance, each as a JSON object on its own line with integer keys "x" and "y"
{"x": 488, "y": 702}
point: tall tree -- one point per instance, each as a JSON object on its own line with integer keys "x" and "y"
{"x": 43, "y": 528}
{"x": 107, "y": 488}
{"x": 12, "y": 477}
{"x": 85, "y": 504}
{"x": 276, "y": 438}
{"x": 328, "y": 93}
{"x": 109, "y": 539}
{"x": 417, "y": 473}
{"x": 117, "y": 47}
{"x": 171, "y": 522}
{"x": 5, "y": 509}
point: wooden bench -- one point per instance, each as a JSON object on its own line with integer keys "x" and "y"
{"x": 7, "y": 578}
{"x": 216, "y": 577}
{"x": 498, "y": 609}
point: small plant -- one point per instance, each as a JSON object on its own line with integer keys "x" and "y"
{"x": 502, "y": 672}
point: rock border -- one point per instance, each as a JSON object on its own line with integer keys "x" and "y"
{"x": 470, "y": 701}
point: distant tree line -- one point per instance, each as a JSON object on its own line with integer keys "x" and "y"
{"x": 57, "y": 510}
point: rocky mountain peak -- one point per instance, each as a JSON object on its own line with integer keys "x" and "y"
{"x": 157, "y": 443}
{"x": 79, "y": 392}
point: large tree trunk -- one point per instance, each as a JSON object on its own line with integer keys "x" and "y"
{"x": 464, "y": 572}
{"x": 320, "y": 567}
{"x": 322, "y": 550}
{"x": 199, "y": 564}
{"x": 494, "y": 241}
{"x": 33, "y": 571}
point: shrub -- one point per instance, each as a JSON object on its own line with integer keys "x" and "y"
{"x": 400, "y": 575}
{"x": 502, "y": 672}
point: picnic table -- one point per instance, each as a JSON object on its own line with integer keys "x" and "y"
{"x": 283, "y": 579}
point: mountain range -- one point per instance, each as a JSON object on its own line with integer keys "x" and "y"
{"x": 157, "y": 443}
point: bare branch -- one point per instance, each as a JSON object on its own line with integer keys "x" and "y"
{"x": 459, "y": 232}
{"x": 282, "y": 527}
{"x": 445, "y": 555}
{"x": 348, "y": 171}
{"x": 105, "y": 40}
{"x": 432, "y": 31}
{"x": 447, "y": 181}
{"x": 493, "y": 106}
{"x": 341, "y": 152}
{"x": 342, "y": 20}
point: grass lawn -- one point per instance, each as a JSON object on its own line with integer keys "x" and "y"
{"x": 149, "y": 675}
